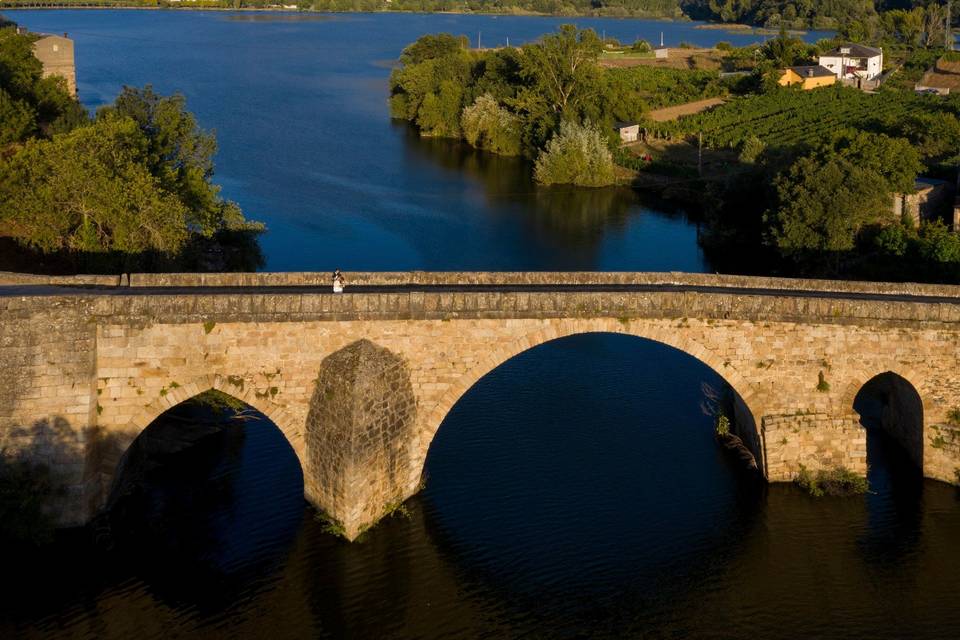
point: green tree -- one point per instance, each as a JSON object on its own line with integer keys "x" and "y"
{"x": 893, "y": 159}
{"x": 938, "y": 244}
{"x": 562, "y": 65}
{"x": 577, "y": 155}
{"x": 822, "y": 205}
{"x": 431, "y": 47}
{"x": 179, "y": 154}
{"x": 487, "y": 125}
{"x": 17, "y": 119}
{"x": 90, "y": 191}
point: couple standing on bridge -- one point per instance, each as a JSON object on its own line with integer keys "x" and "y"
{"x": 338, "y": 281}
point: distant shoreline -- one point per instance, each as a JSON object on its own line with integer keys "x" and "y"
{"x": 735, "y": 28}
{"x": 720, "y": 26}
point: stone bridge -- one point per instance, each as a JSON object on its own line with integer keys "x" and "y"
{"x": 360, "y": 382}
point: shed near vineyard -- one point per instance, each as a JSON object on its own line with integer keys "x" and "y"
{"x": 629, "y": 131}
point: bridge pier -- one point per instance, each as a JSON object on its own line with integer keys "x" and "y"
{"x": 361, "y": 437}
{"x": 812, "y": 440}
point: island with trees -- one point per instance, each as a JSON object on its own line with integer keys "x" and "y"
{"x": 128, "y": 189}
{"x": 788, "y": 181}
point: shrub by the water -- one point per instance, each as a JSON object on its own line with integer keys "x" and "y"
{"x": 487, "y": 125}
{"x": 723, "y": 425}
{"x": 838, "y": 481}
{"x": 577, "y": 155}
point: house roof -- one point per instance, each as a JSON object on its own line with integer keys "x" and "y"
{"x": 624, "y": 125}
{"x": 812, "y": 71}
{"x": 856, "y": 51}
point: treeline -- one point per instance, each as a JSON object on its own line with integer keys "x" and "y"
{"x": 512, "y": 101}
{"x": 130, "y": 188}
{"x": 856, "y": 19}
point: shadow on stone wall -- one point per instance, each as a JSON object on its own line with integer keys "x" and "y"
{"x": 360, "y": 431}
{"x": 41, "y": 480}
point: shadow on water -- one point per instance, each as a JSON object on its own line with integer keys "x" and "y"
{"x": 575, "y": 491}
{"x": 188, "y": 500}
{"x": 569, "y": 221}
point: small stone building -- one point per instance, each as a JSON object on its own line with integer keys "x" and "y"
{"x": 629, "y": 131}
{"x": 56, "y": 55}
{"x": 932, "y": 201}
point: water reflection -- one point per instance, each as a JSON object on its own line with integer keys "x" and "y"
{"x": 576, "y": 491}
{"x": 574, "y": 226}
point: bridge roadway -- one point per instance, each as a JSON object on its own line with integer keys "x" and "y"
{"x": 205, "y": 290}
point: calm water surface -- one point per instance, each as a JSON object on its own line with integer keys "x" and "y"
{"x": 307, "y": 146}
{"x": 575, "y": 492}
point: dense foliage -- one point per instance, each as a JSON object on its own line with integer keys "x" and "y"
{"x": 132, "y": 185}
{"x": 512, "y": 101}
{"x": 577, "y": 155}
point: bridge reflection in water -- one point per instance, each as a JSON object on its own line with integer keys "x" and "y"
{"x": 575, "y": 490}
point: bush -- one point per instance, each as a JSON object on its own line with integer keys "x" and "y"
{"x": 839, "y": 481}
{"x": 487, "y": 125}
{"x": 723, "y": 426}
{"x": 751, "y": 149}
{"x": 577, "y": 155}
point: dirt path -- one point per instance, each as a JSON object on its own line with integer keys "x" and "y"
{"x": 689, "y": 108}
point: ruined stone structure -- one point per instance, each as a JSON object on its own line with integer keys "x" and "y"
{"x": 55, "y": 53}
{"x": 360, "y": 382}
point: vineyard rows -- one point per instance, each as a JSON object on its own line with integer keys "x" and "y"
{"x": 784, "y": 118}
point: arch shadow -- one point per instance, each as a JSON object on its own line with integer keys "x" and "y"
{"x": 890, "y": 403}
{"x": 112, "y": 453}
{"x": 743, "y": 415}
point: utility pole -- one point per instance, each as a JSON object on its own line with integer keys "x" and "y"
{"x": 700, "y": 153}
{"x": 948, "y": 31}
{"x": 478, "y": 41}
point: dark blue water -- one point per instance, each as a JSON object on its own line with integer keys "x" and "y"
{"x": 575, "y": 492}
{"x": 306, "y": 144}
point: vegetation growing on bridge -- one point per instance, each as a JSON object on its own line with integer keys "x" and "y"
{"x": 838, "y": 481}
{"x": 130, "y": 188}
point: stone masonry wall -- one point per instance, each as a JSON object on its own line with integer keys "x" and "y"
{"x": 47, "y": 407}
{"x": 360, "y": 426}
{"x": 115, "y": 361}
{"x": 817, "y": 441}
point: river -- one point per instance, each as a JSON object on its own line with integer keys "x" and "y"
{"x": 575, "y": 492}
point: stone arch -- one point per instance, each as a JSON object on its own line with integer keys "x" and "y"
{"x": 897, "y": 406}
{"x": 746, "y": 401}
{"x": 111, "y": 452}
{"x": 230, "y": 385}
